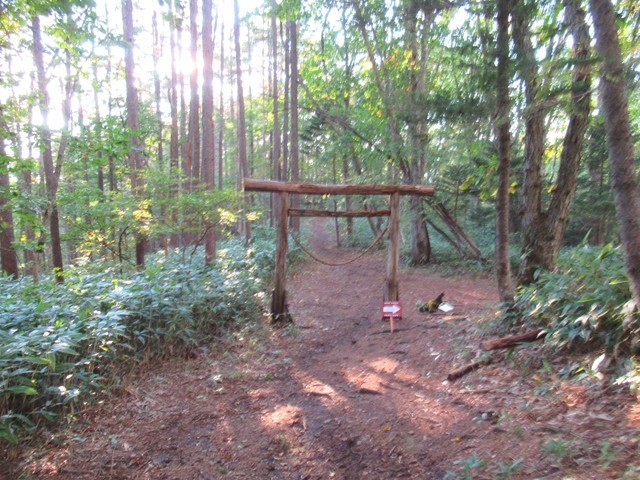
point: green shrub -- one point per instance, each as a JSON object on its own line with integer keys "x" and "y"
{"x": 59, "y": 343}
{"x": 586, "y": 301}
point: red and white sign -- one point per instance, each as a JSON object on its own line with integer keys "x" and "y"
{"x": 391, "y": 310}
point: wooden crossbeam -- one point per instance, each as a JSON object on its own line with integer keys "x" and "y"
{"x": 252, "y": 185}
{"x": 297, "y": 212}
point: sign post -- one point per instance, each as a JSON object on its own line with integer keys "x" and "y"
{"x": 391, "y": 310}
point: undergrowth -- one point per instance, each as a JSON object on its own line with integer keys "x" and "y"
{"x": 60, "y": 344}
{"x": 585, "y": 304}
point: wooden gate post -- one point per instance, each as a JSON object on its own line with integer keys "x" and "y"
{"x": 391, "y": 291}
{"x": 279, "y": 310}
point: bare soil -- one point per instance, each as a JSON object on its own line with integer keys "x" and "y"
{"x": 337, "y": 396}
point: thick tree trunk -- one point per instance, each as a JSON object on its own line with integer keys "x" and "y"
{"x": 136, "y": 161}
{"x": 503, "y": 135}
{"x": 533, "y": 220}
{"x": 208, "y": 125}
{"x": 618, "y": 129}
{"x": 51, "y": 181}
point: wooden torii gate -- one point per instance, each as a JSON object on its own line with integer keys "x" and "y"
{"x": 279, "y": 310}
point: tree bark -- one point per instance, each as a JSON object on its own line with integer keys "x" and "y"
{"x": 543, "y": 230}
{"x": 532, "y": 216}
{"x": 503, "y": 135}
{"x": 615, "y": 107}
{"x": 8, "y": 256}
{"x": 193, "y": 149}
{"x": 174, "y": 139}
{"x": 242, "y": 125}
{"x": 208, "y": 125}
{"x": 570, "y": 158}
{"x": 221, "y": 106}
{"x": 276, "y": 147}
{"x": 254, "y": 185}
{"x": 295, "y": 124}
{"x": 51, "y": 182}
{"x": 136, "y": 160}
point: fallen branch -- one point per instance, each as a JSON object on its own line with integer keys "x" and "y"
{"x": 468, "y": 368}
{"x": 512, "y": 340}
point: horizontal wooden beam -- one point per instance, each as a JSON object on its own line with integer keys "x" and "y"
{"x": 252, "y": 185}
{"x": 296, "y": 212}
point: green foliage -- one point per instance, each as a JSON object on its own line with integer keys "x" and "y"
{"x": 585, "y": 301}
{"x": 60, "y": 344}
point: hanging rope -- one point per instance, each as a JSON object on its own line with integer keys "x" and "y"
{"x": 329, "y": 264}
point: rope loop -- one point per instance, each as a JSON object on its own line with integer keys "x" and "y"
{"x": 329, "y": 264}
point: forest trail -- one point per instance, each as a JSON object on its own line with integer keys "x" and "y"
{"x": 338, "y": 397}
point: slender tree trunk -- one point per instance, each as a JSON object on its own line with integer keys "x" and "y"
{"x": 31, "y": 260}
{"x": 277, "y": 169}
{"x": 182, "y": 119}
{"x": 51, "y": 182}
{"x": 174, "y": 140}
{"x": 8, "y": 256}
{"x": 221, "y": 120}
{"x": 503, "y": 134}
{"x": 615, "y": 107}
{"x": 295, "y": 128}
{"x": 208, "y": 125}
{"x": 157, "y": 91}
{"x": 275, "y": 131}
{"x": 242, "y": 126}
{"x": 570, "y": 158}
{"x": 157, "y": 53}
{"x": 286, "y": 107}
{"x": 174, "y": 132}
{"x": 136, "y": 161}
{"x": 193, "y": 150}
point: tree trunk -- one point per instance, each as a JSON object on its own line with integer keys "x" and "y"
{"x": 285, "y": 106}
{"x": 295, "y": 133}
{"x": 615, "y": 107}
{"x": 208, "y": 125}
{"x": 221, "y": 106}
{"x": 193, "y": 149}
{"x": 8, "y": 256}
{"x": 174, "y": 140}
{"x": 543, "y": 231}
{"x": 277, "y": 170}
{"x": 51, "y": 181}
{"x": 533, "y": 220}
{"x": 503, "y": 135}
{"x": 242, "y": 126}
{"x": 136, "y": 161}
{"x": 564, "y": 190}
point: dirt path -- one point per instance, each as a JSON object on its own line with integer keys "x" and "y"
{"x": 337, "y": 396}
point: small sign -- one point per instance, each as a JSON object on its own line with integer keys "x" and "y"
{"x": 391, "y": 310}
{"x": 445, "y": 307}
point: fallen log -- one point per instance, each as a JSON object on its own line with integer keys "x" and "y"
{"x": 512, "y": 340}
{"x": 468, "y": 368}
